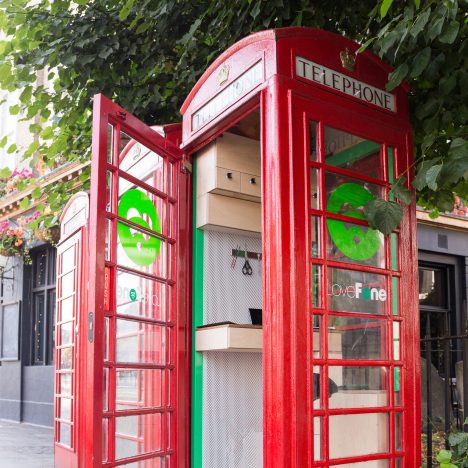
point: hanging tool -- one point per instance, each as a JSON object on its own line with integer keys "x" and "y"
{"x": 247, "y": 269}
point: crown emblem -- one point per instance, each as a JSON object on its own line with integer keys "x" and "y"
{"x": 348, "y": 60}
{"x": 223, "y": 74}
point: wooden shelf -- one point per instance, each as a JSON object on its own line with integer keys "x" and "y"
{"x": 230, "y": 338}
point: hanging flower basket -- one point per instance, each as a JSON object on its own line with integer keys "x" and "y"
{"x": 45, "y": 234}
{"x": 8, "y": 252}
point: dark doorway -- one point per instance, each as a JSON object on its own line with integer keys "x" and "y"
{"x": 443, "y": 347}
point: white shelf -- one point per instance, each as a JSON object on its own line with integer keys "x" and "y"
{"x": 230, "y": 338}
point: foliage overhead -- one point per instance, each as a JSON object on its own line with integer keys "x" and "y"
{"x": 147, "y": 55}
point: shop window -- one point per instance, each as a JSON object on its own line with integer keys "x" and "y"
{"x": 43, "y": 305}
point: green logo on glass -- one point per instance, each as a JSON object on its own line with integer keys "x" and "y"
{"x": 136, "y": 207}
{"x": 133, "y": 294}
{"x": 356, "y": 242}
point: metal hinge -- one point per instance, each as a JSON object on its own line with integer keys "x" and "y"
{"x": 186, "y": 165}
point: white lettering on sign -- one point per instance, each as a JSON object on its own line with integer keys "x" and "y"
{"x": 325, "y": 76}
{"x": 358, "y": 292}
{"x": 230, "y": 94}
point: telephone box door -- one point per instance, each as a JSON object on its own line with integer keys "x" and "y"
{"x": 136, "y": 355}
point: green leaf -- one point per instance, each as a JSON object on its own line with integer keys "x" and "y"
{"x": 420, "y": 180}
{"x": 47, "y": 133}
{"x": 420, "y": 23}
{"x": 5, "y": 172}
{"x": 14, "y": 110}
{"x": 24, "y": 203}
{"x": 420, "y": 62}
{"x": 397, "y": 76}
{"x": 459, "y": 148}
{"x": 444, "y": 456}
{"x": 436, "y": 27}
{"x": 431, "y": 176}
{"x": 417, "y": 4}
{"x": 12, "y": 148}
{"x": 401, "y": 192}
{"x": 450, "y": 33}
{"x": 126, "y": 9}
{"x": 383, "y": 215}
{"x": 384, "y": 7}
{"x": 365, "y": 45}
{"x": 444, "y": 200}
{"x": 3, "y": 141}
{"x": 36, "y": 193}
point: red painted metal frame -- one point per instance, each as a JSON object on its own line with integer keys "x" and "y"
{"x": 101, "y": 286}
{"x": 287, "y": 102}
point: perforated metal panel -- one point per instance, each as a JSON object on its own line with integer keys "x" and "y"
{"x": 232, "y": 383}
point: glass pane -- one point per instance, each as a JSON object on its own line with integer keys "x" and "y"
{"x": 432, "y": 287}
{"x": 68, "y": 284}
{"x": 144, "y": 164}
{"x": 390, "y": 161}
{"x": 396, "y": 341}
{"x": 314, "y": 189}
{"x": 65, "y": 358}
{"x": 141, "y": 207}
{"x": 354, "y": 243}
{"x": 356, "y": 338}
{"x": 356, "y": 291}
{"x": 105, "y": 389}
{"x": 316, "y": 342}
{"x": 394, "y": 250}
{"x": 313, "y": 145}
{"x": 369, "y": 464}
{"x": 110, "y": 142}
{"x": 109, "y": 200}
{"x": 51, "y": 266}
{"x": 315, "y": 235}
{"x": 140, "y": 342}
{"x": 397, "y": 386}
{"x": 141, "y": 251}
{"x": 318, "y": 439}
{"x": 395, "y": 295}
{"x": 40, "y": 265}
{"x": 65, "y": 384}
{"x": 65, "y": 408}
{"x": 139, "y": 296}
{"x": 351, "y": 152}
{"x": 398, "y": 431}
{"x": 317, "y": 385}
{"x": 67, "y": 309}
{"x": 373, "y": 434}
{"x": 316, "y": 285}
{"x": 65, "y": 434}
{"x": 105, "y": 439}
{"x": 135, "y": 435}
{"x": 66, "y": 333}
{"x": 9, "y": 339}
{"x": 357, "y": 386}
{"x": 139, "y": 388}
{"x": 347, "y": 196}
{"x": 39, "y": 328}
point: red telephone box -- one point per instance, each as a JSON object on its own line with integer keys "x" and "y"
{"x": 290, "y": 133}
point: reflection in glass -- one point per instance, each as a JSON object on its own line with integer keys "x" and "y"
{"x": 398, "y": 431}
{"x": 65, "y": 409}
{"x": 357, "y": 386}
{"x": 318, "y": 439}
{"x": 65, "y": 358}
{"x": 65, "y": 384}
{"x": 317, "y": 385}
{"x": 110, "y": 142}
{"x": 140, "y": 296}
{"x": 354, "y": 243}
{"x": 66, "y": 333}
{"x": 315, "y": 289}
{"x": 395, "y": 295}
{"x": 65, "y": 434}
{"x": 135, "y": 435}
{"x": 105, "y": 439}
{"x": 373, "y": 434}
{"x": 396, "y": 341}
{"x": 140, "y": 342}
{"x": 139, "y": 388}
{"x": 313, "y": 140}
{"x": 356, "y": 338}
{"x": 394, "y": 250}
{"x": 397, "y": 386}
{"x": 68, "y": 284}
{"x": 369, "y": 464}
{"x": 141, "y": 251}
{"x": 142, "y": 163}
{"x": 68, "y": 260}
{"x": 67, "y": 309}
{"x": 109, "y": 201}
{"x": 432, "y": 287}
{"x": 314, "y": 190}
{"x": 356, "y": 291}
{"x": 315, "y": 234}
{"x": 351, "y": 152}
{"x": 316, "y": 342}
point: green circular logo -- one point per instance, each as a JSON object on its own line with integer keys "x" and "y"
{"x": 356, "y": 242}
{"x": 133, "y": 294}
{"x": 135, "y": 206}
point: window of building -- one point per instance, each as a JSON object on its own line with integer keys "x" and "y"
{"x": 43, "y": 305}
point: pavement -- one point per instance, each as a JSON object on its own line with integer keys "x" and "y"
{"x": 25, "y": 445}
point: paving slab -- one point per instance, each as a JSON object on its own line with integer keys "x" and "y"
{"x": 25, "y": 445}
